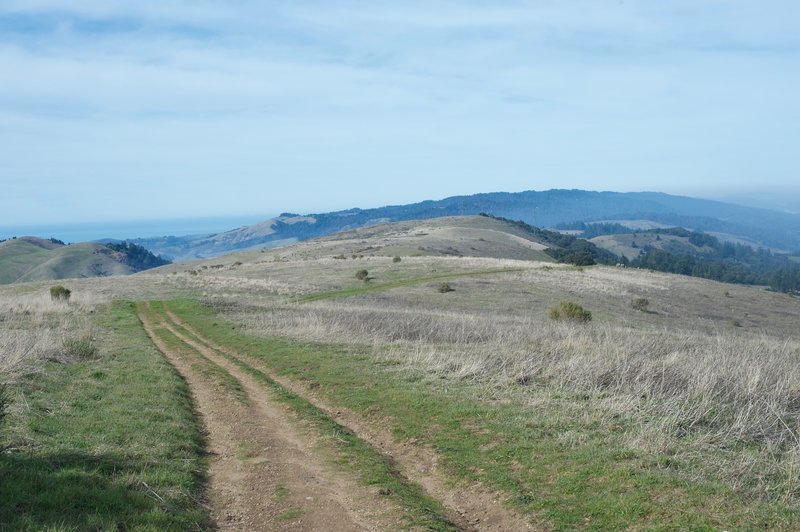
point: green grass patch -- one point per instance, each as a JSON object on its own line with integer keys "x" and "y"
{"x": 388, "y": 285}
{"x": 281, "y": 493}
{"x": 105, "y": 444}
{"x": 556, "y": 462}
{"x": 288, "y": 515}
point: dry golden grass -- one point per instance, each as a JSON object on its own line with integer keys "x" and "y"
{"x": 684, "y": 381}
{"x": 33, "y": 328}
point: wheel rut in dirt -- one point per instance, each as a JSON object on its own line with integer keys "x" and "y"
{"x": 471, "y": 506}
{"x": 265, "y": 470}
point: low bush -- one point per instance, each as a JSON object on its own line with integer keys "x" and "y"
{"x": 59, "y": 293}
{"x": 568, "y": 310}
{"x": 444, "y": 288}
{"x": 80, "y": 348}
{"x": 396, "y": 259}
{"x": 362, "y": 275}
{"x": 640, "y": 303}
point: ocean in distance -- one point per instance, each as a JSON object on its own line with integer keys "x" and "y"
{"x": 120, "y": 230}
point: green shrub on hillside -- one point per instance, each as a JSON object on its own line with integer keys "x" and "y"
{"x": 568, "y": 310}
{"x": 444, "y": 288}
{"x": 59, "y": 293}
{"x": 640, "y": 303}
{"x": 396, "y": 259}
{"x": 362, "y": 275}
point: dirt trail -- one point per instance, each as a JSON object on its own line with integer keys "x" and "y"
{"x": 265, "y": 473}
{"x": 476, "y": 507}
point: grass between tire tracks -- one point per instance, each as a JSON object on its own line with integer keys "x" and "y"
{"x": 565, "y": 470}
{"x": 210, "y": 371}
{"x": 373, "y": 468}
{"x": 104, "y": 444}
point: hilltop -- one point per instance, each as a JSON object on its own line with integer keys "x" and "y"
{"x": 36, "y": 259}
{"x": 542, "y": 209}
{"x": 457, "y": 236}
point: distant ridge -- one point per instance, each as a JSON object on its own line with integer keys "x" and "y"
{"x": 542, "y": 209}
{"x": 37, "y": 259}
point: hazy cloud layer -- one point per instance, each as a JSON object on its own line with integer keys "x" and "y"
{"x": 170, "y": 108}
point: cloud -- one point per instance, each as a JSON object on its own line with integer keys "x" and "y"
{"x": 425, "y": 96}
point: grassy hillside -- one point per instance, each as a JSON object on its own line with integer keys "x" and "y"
{"x": 630, "y": 245}
{"x": 34, "y": 259}
{"x": 675, "y": 407}
{"x": 677, "y": 250}
{"x": 18, "y": 256}
{"x": 463, "y": 236}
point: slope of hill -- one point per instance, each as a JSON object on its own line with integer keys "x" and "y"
{"x": 542, "y": 209}
{"x": 36, "y": 259}
{"x": 677, "y": 250}
{"x": 673, "y": 400}
{"x": 631, "y": 245}
{"x": 454, "y": 236}
{"x": 458, "y": 236}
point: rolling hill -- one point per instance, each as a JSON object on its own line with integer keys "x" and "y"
{"x": 672, "y": 400}
{"x": 458, "y": 236}
{"x": 543, "y": 209}
{"x": 36, "y": 259}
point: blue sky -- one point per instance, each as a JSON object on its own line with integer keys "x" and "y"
{"x": 136, "y": 110}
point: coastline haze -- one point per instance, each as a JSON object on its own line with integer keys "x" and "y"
{"x": 123, "y": 230}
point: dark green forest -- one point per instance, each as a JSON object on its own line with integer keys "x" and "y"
{"x": 718, "y": 261}
{"x": 136, "y": 256}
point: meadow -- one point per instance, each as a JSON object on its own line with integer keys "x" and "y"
{"x": 679, "y": 411}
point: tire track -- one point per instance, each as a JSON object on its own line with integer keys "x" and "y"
{"x": 473, "y": 506}
{"x": 265, "y": 474}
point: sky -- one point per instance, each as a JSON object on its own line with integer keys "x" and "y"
{"x": 125, "y": 110}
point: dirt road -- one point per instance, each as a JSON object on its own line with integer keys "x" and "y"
{"x": 266, "y": 470}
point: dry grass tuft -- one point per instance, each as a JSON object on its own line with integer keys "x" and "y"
{"x": 34, "y": 327}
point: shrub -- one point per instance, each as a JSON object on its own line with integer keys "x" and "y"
{"x": 582, "y": 258}
{"x": 568, "y": 310}
{"x": 640, "y": 303}
{"x": 362, "y": 275}
{"x": 5, "y": 400}
{"x": 59, "y": 293}
{"x": 444, "y": 288}
{"x": 80, "y": 348}
{"x": 396, "y": 259}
